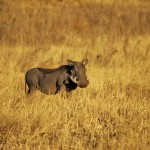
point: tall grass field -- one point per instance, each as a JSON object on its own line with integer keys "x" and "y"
{"x": 113, "y": 111}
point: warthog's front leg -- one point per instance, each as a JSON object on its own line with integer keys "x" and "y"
{"x": 68, "y": 94}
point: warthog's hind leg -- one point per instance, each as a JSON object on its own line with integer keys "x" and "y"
{"x": 31, "y": 90}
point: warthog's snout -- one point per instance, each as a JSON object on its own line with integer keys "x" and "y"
{"x": 84, "y": 84}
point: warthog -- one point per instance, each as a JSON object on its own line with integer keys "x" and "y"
{"x": 50, "y": 81}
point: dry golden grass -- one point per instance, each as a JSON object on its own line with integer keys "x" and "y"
{"x": 113, "y": 112}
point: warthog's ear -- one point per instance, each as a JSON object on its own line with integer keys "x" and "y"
{"x": 85, "y": 62}
{"x": 70, "y": 62}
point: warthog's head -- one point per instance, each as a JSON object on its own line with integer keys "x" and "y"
{"x": 78, "y": 73}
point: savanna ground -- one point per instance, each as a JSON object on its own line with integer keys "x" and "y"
{"x": 113, "y": 112}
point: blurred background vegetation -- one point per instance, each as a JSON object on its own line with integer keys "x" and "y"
{"x": 48, "y": 22}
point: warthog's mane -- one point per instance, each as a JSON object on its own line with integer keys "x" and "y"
{"x": 64, "y": 67}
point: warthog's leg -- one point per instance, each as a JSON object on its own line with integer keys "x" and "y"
{"x": 69, "y": 94}
{"x": 32, "y": 89}
{"x": 65, "y": 94}
{"x": 29, "y": 91}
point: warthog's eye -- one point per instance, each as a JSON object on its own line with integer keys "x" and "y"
{"x": 76, "y": 79}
